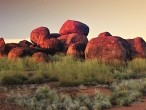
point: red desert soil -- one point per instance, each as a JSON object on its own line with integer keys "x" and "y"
{"x": 91, "y": 90}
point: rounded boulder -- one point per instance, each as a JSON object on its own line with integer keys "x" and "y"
{"x": 137, "y": 47}
{"x": 39, "y": 33}
{"x": 40, "y": 57}
{"x": 72, "y": 26}
{"x": 77, "y": 49}
{"x": 24, "y": 43}
{"x": 18, "y": 52}
{"x": 108, "y": 48}
{"x": 53, "y": 45}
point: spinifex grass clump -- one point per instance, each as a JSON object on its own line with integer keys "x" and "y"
{"x": 46, "y": 99}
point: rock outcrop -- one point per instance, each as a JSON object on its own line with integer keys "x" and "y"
{"x": 72, "y": 40}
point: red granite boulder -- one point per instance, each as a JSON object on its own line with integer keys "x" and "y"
{"x": 24, "y": 43}
{"x": 103, "y": 34}
{"x": 107, "y": 48}
{"x": 63, "y": 38}
{"x": 2, "y": 47}
{"x": 2, "y": 42}
{"x": 73, "y": 38}
{"x": 53, "y": 45}
{"x": 19, "y": 52}
{"x": 54, "y": 35}
{"x": 77, "y": 49}
{"x": 138, "y": 47}
{"x": 66, "y": 40}
{"x": 38, "y": 34}
{"x": 40, "y": 57}
{"x": 72, "y": 26}
{"x": 6, "y": 49}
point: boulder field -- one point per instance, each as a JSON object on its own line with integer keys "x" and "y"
{"x": 72, "y": 40}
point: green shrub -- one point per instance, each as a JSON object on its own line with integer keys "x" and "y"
{"x": 46, "y": 99}
{"x": 128, "y": 91}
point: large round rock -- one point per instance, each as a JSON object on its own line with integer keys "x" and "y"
{"x": 4, "y": 50}
{"x": 138, "y": 47}
{"x": 18, "y": 52}
{"x": 68, "y": 39}
{"x": 71, "y": 26}
{"x": 40, "y": 57}
{"x": 24, "y": 43}
{"x": 38, "y": 34}
{"x": 77, "y": 49}
{"x": 108, "y": 48}
{"x": 53, "y": 45}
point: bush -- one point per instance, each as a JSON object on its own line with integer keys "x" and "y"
{"x": 46, "y": 99}
{"x": 128, "y": 91}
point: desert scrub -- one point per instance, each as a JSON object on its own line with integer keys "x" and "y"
{"x": 128, "y": 91}
{"x": 46, "y": 99}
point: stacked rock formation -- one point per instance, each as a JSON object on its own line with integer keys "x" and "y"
{"x": 74, "y": 37}
{"x": 72, "y": 40}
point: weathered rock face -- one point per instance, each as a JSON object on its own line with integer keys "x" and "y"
{"x": 77, "y": 49}
{"x": 138, "y": 47}
{"x": 103, "y": 34}
{"x": 107, "y": 48}
{"x": 38, "y": 34}
{"x": 40, "y": 57}
{"x": 63, "y": 38}
{"x": 53, "y": 45}
{"x": 18, "y": 52}
{"x": 71, "y": 26}
{"x": 66, "y": 40}
{"x": 24, "y": 43}
{"x": 73, "y": 38}
{"x": 54, "y": 35}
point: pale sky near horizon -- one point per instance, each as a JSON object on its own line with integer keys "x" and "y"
{"x": 124, "y": 18}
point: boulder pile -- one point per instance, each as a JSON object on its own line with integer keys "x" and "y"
{"x": 72, "y": 40}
